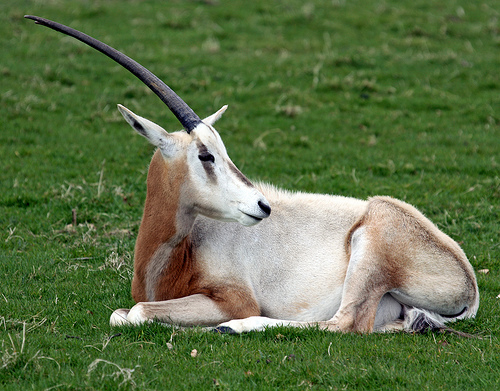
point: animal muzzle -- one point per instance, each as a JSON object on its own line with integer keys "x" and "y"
{"x": 253, "y": 215}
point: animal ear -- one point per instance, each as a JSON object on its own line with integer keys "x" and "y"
{"x": 156, "y": 135}
{"x": 214, "y": 117}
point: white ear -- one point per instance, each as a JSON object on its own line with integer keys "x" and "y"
{"x": 156, "y": 135}
{"x": 214, "y": 117}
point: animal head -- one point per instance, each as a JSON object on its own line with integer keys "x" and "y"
{"x": 215, "y": 187}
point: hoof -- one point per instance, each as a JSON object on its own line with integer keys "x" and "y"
{"x": 119, "y": 317}
{"x": 223, "y": 330}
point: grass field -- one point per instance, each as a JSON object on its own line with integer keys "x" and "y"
{"x": 345, "y": 97}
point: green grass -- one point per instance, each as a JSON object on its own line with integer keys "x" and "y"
{"x": 345, "y": 97}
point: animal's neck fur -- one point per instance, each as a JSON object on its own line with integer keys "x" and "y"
{"x": 162, "y": 222}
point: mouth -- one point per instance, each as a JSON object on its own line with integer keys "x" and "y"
{"x": 257, "y": 219}
{"x": 248, "y": 219}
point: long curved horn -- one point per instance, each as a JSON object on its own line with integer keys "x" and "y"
{"x": 187, "y": 117}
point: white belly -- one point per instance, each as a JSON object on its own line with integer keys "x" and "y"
{"x": 294, "y": 261}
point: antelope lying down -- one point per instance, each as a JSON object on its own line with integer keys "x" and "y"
{"x": 210, "y": 252}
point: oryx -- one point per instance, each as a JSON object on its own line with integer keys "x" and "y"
{"x": 210, "y": 251}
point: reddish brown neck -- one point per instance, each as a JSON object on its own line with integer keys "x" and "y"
{"x": 159, "y": 222}
{"x": 165, "y": 264}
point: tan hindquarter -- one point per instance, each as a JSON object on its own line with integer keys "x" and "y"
{"x": 421, "y": 266}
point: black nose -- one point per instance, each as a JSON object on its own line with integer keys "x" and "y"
{"x": 265, "y": 208}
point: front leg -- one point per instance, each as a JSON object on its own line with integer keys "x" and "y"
{"x": 193, "y": 310}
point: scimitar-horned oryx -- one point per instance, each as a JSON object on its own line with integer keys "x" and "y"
{"x": 333, "y": 262}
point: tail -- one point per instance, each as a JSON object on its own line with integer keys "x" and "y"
{"x": 418, "y": 320}
{"x": 421, "y": 320}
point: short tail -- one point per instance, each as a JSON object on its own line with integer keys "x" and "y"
{"x": 418, "y": 320}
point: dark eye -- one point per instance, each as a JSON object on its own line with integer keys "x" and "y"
{"x": 206, "y": 157}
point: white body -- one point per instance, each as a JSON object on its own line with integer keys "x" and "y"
{"x": 339, "y": 263}
{"x": 294, "y": 261}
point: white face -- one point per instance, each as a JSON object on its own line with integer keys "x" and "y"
{"x": 222, "y": 191}
{"x": 215, "y": 187}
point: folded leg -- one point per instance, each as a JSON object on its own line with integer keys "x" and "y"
{"x": 193, "y": 310}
